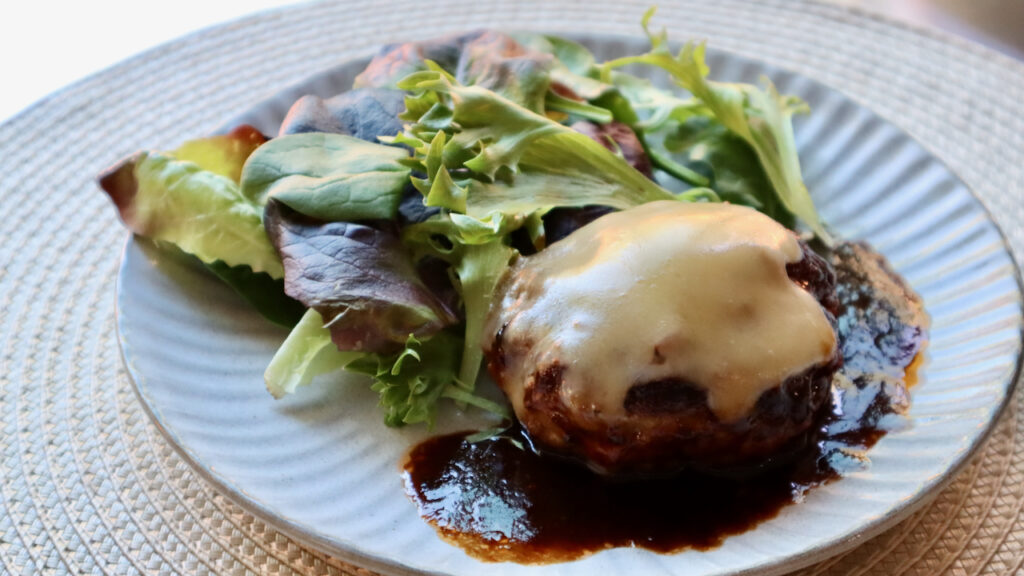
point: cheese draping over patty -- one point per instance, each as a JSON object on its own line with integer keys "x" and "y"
{"x": 667, "y": 290}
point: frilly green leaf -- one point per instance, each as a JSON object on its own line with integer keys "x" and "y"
{"x": 761, "y": 117}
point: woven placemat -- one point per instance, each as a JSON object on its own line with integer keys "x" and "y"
{"x": 89, "y": 486}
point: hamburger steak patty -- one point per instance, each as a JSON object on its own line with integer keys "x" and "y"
{"x": 669, "y": 424}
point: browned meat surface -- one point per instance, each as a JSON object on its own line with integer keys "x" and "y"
{"x": 669, "y": 424}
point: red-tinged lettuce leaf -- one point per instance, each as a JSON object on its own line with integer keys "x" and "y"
{"x": 620, "y": 139}
{"x": 359, "y": 278}
{"x": 487, "y": 59}
{"x": 397, "y": 61}
{"x": 501, "y": 64}
{"x": 364, "y": 113}
{"x": 223, "y": 154}
{"x": 190, "y": 198}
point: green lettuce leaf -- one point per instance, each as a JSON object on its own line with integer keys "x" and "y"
{"x": 479, "y": 270}
{"x": 189, "y": 199}
{"x": 201, "y": 211}
{"x": 307, "y": 353}
{"x": 762, "y": 118}
{"x": 652, "y": 105}
{"x": 575, "y": 109}
{"x": 735, "y": 172}
{"x": 332, "y": 177}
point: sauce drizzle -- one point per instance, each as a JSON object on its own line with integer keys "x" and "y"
{"x": 500, "y": 501}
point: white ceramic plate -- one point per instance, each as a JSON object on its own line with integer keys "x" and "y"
{"x": 322, "y": 467}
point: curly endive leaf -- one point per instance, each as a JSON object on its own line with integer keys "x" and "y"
{"x": 518, "y": 161}
{"x": 762, "y": 118}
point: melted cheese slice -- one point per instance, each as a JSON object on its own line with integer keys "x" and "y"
{"x": 664, "y": 290}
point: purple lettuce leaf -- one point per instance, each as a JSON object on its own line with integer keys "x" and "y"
{"x": 358, "y": 277}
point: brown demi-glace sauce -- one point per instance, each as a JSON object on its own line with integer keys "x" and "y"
{"x": 500, "y": 501}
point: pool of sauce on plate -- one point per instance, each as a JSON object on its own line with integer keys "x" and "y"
{"x": 500, "y": 501}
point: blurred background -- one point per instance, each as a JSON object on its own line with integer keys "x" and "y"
{"x": 998, "y": 24}
{"x": 47, "y": 44}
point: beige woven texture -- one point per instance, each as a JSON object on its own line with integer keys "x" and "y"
{"x": 88, "y": 485}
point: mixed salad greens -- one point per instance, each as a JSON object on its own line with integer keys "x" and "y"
{"x": 378, "y": 223}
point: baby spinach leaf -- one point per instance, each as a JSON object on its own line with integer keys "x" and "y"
{"x": 328, "y": 176}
